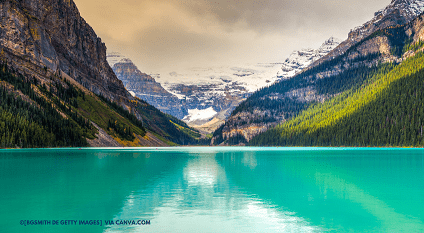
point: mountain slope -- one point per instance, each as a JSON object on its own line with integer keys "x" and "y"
{"x": 207, "y": 100}
{"x": 145, "y": 87}
{"x": 398, "y": 12}
{"x": 385, "y": 111}
{"x": 52, "y": 35}
{"x": 382, "y": 109}
{"x": 347, "y": 66}
{"x": 262, "y": 114}
{"x": 299, "y": 60}
{"x": 52, "y": 60}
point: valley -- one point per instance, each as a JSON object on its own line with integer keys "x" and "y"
{"x": 58, "y": 81}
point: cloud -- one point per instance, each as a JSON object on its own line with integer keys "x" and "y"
{"x": 165, "y": 34}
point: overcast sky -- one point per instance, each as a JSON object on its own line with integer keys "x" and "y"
{"x": 168, "y": 35}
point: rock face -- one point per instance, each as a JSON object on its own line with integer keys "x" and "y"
{"x": 144, "y": 86}
{"x": 48, "y": 41}
{"x": 52, "y": 35}
{"x": 398, "y": 12}
{"x": 222, "y": 98}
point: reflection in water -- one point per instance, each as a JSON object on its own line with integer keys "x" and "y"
{"x": 201, "y": 171}
{"x": 233, "y": 190}
{"x": 323, "y": 187}
{"x": 249, "y": 159}
{"x": 387, "y": 216}
{"x": 202, "y": 199}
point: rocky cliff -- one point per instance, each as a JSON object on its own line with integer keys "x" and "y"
{"x": 144, "y": 86}
{"x": 52, "y": 52}
{"x": 398, "y": 12}
{"x": 50, "y": 35}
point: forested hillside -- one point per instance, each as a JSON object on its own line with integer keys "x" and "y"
{"x": 29, "y": 120}
{"x": 322, "y": 84}
{"x": 60, "y": 114}
{"x": 57, "y": 114}
{"x": 386, "y": 110}
{"x": 57, "y": 89}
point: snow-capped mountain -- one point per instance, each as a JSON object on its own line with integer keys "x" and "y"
{"x": 199, "y": 95}
{"x": 219, "y": 88}
{"x": 301, "y": 59}
{"x": 224, "y": 87}
{"x": 249, "y": 76}
{"x": 398, "y": 12}
{"x": 409, "y": 9}
{"x": 144, "y": 86}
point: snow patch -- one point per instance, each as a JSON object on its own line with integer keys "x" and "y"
{"x": 196, "y": 114}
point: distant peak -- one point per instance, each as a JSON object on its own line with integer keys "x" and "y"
{"x": 407, "y": 10}
{"x": 115, "y": 57}
{"x": 333, "y": 40}
{"x": 412, "y": 8}
{"x": 329, "y": 44}
{"x": 125, "y": 60}
{"x": 114, "y": 54}
{"x": 397, "y": 2}
{"x": 301, "y": 59}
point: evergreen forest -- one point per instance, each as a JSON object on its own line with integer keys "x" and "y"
{"x": 386, "y": 110}
{"x": 56, "y": 113}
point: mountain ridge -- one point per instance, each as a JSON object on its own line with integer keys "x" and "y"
{"x": 301, "y": 59}
{"x": 398, "y": 12}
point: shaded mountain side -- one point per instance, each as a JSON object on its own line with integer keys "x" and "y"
{"x": 62, "y": 114}
{"x": 285, "y": 99}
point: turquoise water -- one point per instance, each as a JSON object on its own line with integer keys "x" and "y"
{"x": 213, "y": 190}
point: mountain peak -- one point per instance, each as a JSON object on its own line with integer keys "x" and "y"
{"x": 332, "y": 39}
{"x": 408, "y": 8}
{"x": 396, "y": 2}
{"x": 115, "y": 57}
{"x": 301, "y": 59}
{"x": 403, "y": 10}
{"x": 398, "y": 12}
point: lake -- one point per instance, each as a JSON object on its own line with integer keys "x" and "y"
{"x": 212, "y": 189}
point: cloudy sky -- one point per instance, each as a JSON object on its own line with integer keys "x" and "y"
{"x": 167, "y": 35}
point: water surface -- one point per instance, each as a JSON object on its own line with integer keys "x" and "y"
{"x": 214, "y": 189}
